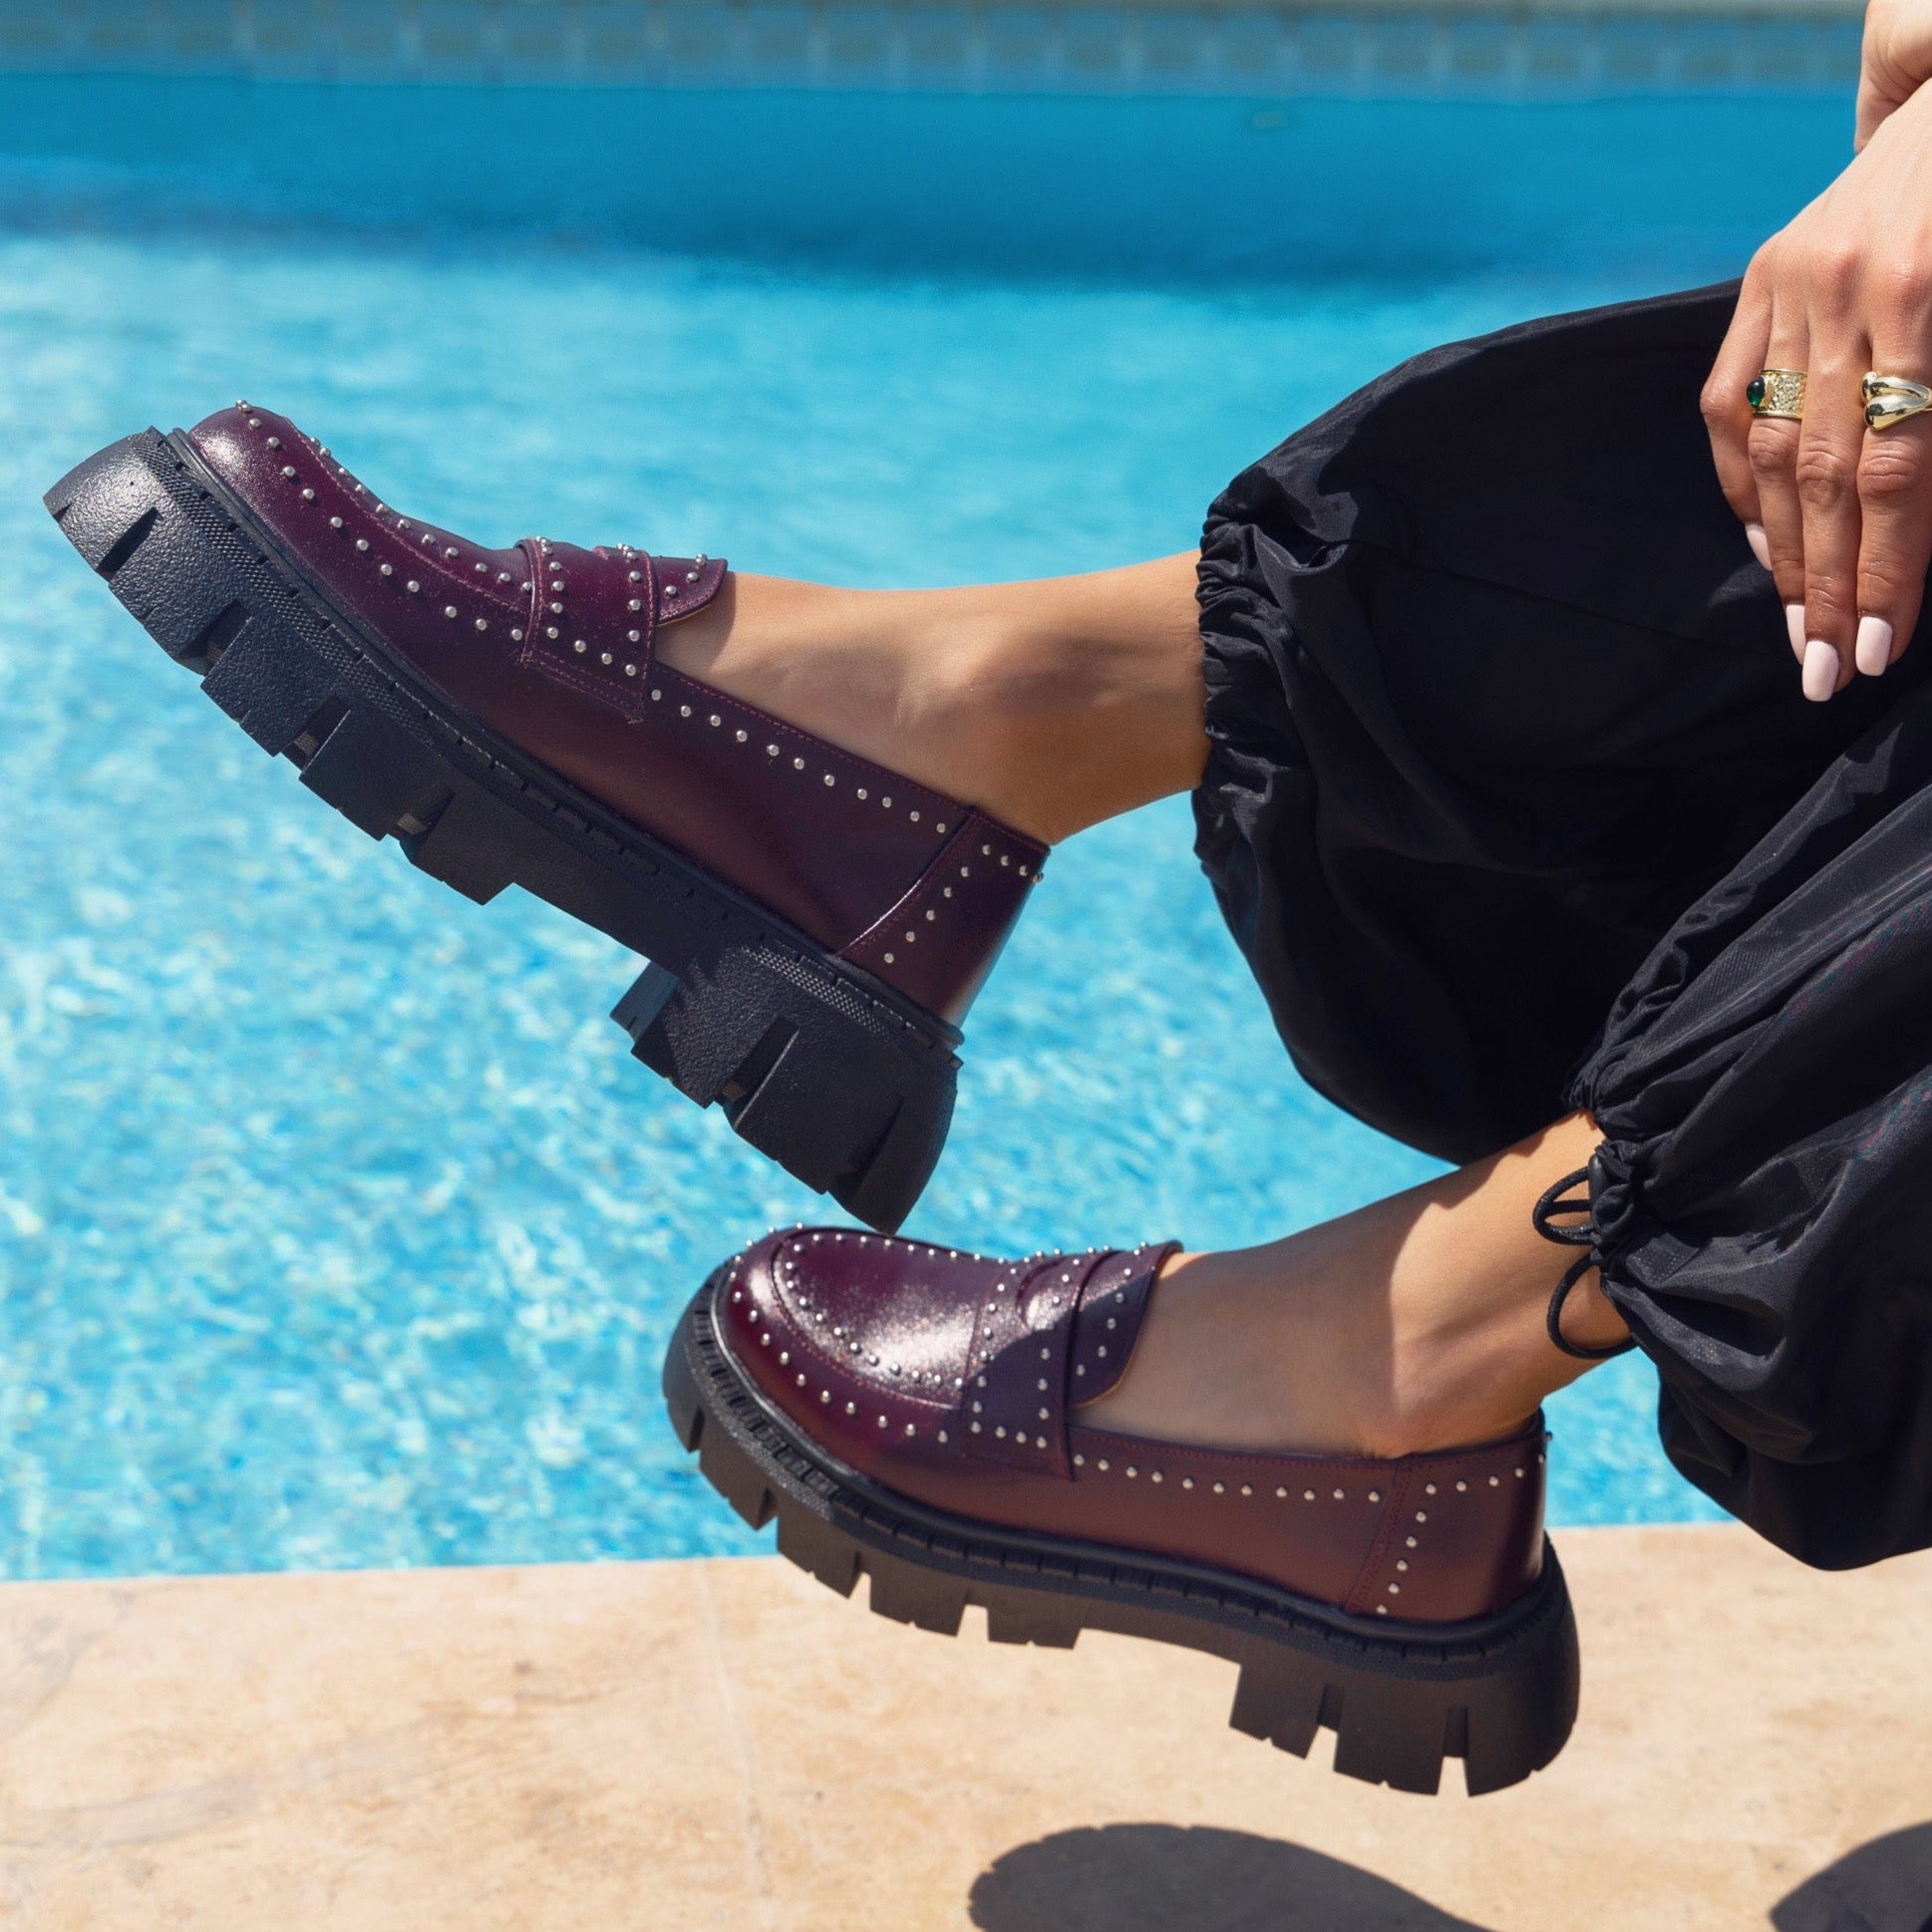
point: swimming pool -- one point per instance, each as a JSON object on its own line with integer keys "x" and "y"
{"x": 335, "y": 1226}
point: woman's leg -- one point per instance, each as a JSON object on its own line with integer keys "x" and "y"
{"x": 1054, "y": 705}
{"x": 1415, "y": 1323}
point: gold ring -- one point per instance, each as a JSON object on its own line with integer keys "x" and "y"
{"x": 1778, "y": 391}
{"x": 1891, "y": 398}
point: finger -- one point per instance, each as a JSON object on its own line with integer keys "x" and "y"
{"x": 1895, "y": 502}
{"x": 1831, "y": 442}
{"x": 1772, "y": 443}
{"x": 1726, "y": 416}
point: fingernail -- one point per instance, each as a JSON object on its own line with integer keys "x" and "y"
{"x": 1760, "y": 548}
{"x": 1821, "y": 670}
{"x": 1874, "y": 648}
{"x": 1795, "y": 623}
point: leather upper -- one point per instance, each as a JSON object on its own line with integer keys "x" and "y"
{"x": 553, "y": 648}
{"x": 956, "y": 1380}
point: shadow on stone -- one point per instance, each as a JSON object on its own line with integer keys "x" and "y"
{"x": 1165, "y": 1878}
{"x": 1884, "y": 1886}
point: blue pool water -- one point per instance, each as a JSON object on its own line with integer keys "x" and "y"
{"x": 335, "y": 1226}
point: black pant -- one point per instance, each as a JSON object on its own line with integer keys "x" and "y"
{"x": 1508, "y": 749}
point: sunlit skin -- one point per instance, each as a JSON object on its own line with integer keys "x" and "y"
{"x": 1415, "y": 1323}
{"x": 1841, "y": 515}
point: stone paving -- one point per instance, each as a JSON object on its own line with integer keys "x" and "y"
{"x": 723, "y": 1745}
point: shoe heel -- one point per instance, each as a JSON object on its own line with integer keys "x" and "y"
{"x": 838, "y": 1095}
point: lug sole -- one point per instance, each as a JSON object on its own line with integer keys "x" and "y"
{"x": 842, "y": 1083}
{"x": 1500, "y": 1692}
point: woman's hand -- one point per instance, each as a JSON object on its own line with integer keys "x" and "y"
{"x": 1896, "y": 62}
{"x": 1842, "y": 517}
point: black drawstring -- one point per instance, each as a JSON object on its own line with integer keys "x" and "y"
{"x": 1578, "y": 1235}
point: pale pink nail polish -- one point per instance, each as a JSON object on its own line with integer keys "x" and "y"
{"x": 1795, "y": 623}
{"x": 1759, "y": 545}
{"x": 1821, "y": 670}
{"x": 1873, "y": 651}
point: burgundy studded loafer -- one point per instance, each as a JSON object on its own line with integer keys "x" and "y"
{"x": 910, "y": 1412}
{"x": 816, "y": 926}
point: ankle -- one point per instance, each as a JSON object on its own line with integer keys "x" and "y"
{"x": 1052, "y": 706}
{"x": 1412, "y": 1325}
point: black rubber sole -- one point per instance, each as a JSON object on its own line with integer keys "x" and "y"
{"x": 818, "y": 1064}
{"x": 1500, "y": 1692}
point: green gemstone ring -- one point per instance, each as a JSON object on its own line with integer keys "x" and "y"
{"x": 1778, "y": 391}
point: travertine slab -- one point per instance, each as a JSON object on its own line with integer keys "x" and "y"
{"x": 724, "y": 1745}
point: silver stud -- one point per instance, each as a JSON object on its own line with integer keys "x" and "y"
{"x": 288, "y": 470}
{"x": 1374, "y": 1495}
{"x": 556, "y": 610}
{"x": 1382, "y": 1609}
{"x": 656, "y": 696}
{"x": 998, "y": 1429}
{"x": 825, "y": 1395}
{"x": 830, "y": 780}
{"x": 797, "y": 765}
{"x": 684, "y": 711}
{"x": 889, "y": 959}
{"x": 1105, "y": 1464}
{"x": 577, "y": 644}
{"x": 939, "y": 827}
{"x": 1282, "y": 1495}
{"x": 1402, "y": 1562}
{"x": 713, "y": 721}
{"x": 1428, "y": 1488}
{"x": 1410, "y": 1542}
{"x": 670, "y": 590}
{"x": 517, "y": 637}
{"x": 634, "y": 604}
{"x": 630, "y": 670}
{"x": 913, "y": 815}
{"x": 308, "y": 496}
{"x": 1155, "y": 1476}
{"x": 851, "y": 1409}
{"x": 701, "y": 560}
{"x": 1461, "y": 1488}
{"x": 739, "y": 736}
{"x": 929, "y": 915}
{"x": 1080, "y": 1461}
{"x": 637, "y": 577}
{"x": 943, "y": 1436}
{"x": 1339, "y": 1498}
{"x": 413, "y": 587}
{"x": 483, "y": 570}
{"x": 1421, "y": 1516}
{"x": 1187, "y": 1482}
{"x": 634, "y": 637}
{"x": 254, "y": 422}
{"x": 1247, "y": 1488}
{"x": 452, "y": 552}
{"x": 1220, "y": 1488}
{"x": 274, "y": 442}
{"x": 1495, "y": 1483}
{"x": 335, "y": 523}
{"x": 691, "y": 576}
{"x": 1308, "y": 1495}
{"x": 1519, "y": 1475}
{"x": 975, "y": 1427}
{"x": 362, "y": 544}
{"x": 502, "y": 576}
{"x": 861, "y": 792}
{"x": 1395, "y": 1589}
{"x": 886, "y": 805}
{"x": 764, "y": 1340}
{"x": 483, "y": 623}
